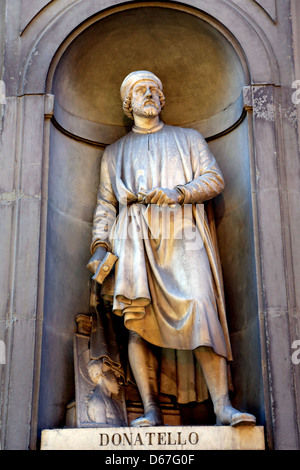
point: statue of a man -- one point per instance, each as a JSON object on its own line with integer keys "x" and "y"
{"x": 153, "y": 185}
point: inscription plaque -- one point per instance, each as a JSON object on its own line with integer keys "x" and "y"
{"x": 163, "y": 438}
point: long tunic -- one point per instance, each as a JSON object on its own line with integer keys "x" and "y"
{"x": 167, "y": 281}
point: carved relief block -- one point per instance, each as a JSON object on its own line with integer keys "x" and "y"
{"x": 99, "y": 399}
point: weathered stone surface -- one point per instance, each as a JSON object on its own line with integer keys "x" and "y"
{"x": 32, "y": 40}
{"x": 156, "y": 438}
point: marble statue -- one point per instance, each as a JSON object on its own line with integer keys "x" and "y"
{"x": 154, "y": 251}
{"x": 101, "y": 409}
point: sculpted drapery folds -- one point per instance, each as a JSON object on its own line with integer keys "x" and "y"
{"x": 174, "y": 300}
{"x": 153, "y": 214}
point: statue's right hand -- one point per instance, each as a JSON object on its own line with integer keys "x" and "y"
{"x": 96, "y": 259}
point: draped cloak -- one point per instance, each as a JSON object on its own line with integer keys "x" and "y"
{"x": 167, "y": 282}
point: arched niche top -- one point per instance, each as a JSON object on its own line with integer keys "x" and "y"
{"x": 47, "y": 39}
{"x": 200, "y": 70}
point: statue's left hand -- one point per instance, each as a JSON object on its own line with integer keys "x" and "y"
{"x": 96, "y": 259}
{"x": 162, "y": 197}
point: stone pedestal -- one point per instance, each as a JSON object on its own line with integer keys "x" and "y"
{"x": 162, "y": 438}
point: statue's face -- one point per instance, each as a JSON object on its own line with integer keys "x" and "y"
{"x": 145, "y": 99}
{"x": 112, "y": 382}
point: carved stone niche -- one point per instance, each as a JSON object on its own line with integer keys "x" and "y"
{"x": 203, "y": 78}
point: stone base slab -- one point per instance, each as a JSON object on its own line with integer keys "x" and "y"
{"x": 162, "y": 438}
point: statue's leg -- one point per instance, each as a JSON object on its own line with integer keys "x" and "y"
{"x": 215, "y": 372}
{"x": 144, "y": 366}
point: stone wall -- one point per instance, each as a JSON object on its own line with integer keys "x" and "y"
{"x": 38, "y": 217}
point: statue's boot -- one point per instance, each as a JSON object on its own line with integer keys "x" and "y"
{"x": 144, "y": 365}
{"x": 215, "y": 372}
{"x": 152, "y": 417}
{"x": 227, "y": 414}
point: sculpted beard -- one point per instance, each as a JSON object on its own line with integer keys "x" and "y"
{"x": 149, "y": 108}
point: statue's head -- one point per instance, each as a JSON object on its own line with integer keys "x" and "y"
{"x": 141, "y": 93}
{"x": 102, "y": 373}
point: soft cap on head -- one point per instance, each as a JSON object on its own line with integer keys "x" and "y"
{"x": 135, "y": 77}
